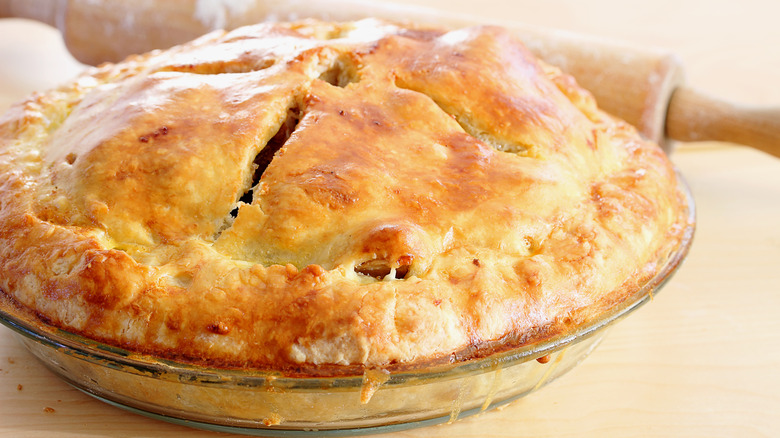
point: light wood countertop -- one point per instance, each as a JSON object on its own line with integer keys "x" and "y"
{"x": 702, "y": 359}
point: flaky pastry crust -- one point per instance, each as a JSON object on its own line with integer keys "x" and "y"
{"x": 327, "y": 196}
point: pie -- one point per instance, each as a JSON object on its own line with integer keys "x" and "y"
{"x": 318, "y": 198}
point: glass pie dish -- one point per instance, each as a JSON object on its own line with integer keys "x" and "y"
{"x": 269, "y": 404}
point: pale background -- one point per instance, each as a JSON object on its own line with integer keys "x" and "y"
{"x": 701, "y": 360}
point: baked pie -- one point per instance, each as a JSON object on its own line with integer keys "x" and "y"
{"x": 319, "y": 198}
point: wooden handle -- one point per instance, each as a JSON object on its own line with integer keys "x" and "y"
{"x": 693, "y": 116}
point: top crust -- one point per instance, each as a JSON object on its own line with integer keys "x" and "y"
{"x": 309, "y": 196}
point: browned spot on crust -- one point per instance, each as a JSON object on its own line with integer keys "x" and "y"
{"x": 219, "y": 328}
{"x": 314, "y": 270}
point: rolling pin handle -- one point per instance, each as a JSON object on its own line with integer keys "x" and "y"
{"x": 693, "y": 116}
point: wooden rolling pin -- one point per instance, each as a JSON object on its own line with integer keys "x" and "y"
{"x": 644, "y": 86}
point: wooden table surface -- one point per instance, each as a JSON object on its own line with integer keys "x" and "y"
{"x": 702, "y": 359}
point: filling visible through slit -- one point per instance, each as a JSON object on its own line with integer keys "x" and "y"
{"x": 380, "y": 269}
{"x": 266, "y": 155}
{"x": 340, "y": 74}
{"x": 512, "y": 147}
{"x": 497, "y": 144}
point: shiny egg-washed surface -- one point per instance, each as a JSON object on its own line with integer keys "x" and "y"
{"x": 317, "y": 198}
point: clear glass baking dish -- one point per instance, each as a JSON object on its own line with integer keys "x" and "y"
{"x": 266, "y": 404}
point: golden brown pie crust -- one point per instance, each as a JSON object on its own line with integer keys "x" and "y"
{"x": 422, "y": 196}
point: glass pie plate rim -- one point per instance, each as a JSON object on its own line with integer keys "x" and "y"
{"x": 53, "y": 346}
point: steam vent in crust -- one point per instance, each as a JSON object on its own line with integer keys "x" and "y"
{"x": 319, "y": 198}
